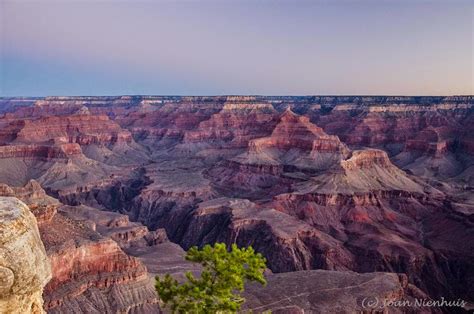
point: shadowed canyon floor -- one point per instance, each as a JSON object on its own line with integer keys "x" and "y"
{"x": 345, "y": 185}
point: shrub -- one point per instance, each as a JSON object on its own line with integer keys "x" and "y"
{"x": 222, "y": 280}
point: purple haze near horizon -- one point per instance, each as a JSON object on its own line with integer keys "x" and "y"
{"x": 236, "y": 47}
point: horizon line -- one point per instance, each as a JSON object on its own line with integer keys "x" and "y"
{"x": 242, "y": 95}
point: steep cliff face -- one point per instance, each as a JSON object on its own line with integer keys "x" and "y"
{"x": 44, "y": 153}
{"x": 428, "y": 136}
{"x": 235, "y": 125}
{"x": 162, "y": 123}
{"x": 294, "y": 131}
{"x": 67, "y": 149}
{"x": 295, "y": 142}
{"x": 95, "y": 276}
{"x": 152, "y": 248}
{"x": 83, "y": 129}
{"x": 287, "y": 243}
{"x": 24, "y": 266}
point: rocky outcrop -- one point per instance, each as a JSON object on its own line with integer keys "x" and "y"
{"x": 96, "y": 276}
{"x": 41, "y": 205}
{"x": 364, "y": 171}
{"x": 152, "y": 248}
{"x": 89, "y": 270}
{"x": 297, "y": 142}
{"x": 366, "y": 159}
{"x": 24, "y": 266}
{"x": 296, "y": 132}
{"x": 235, "y": 125}
{"x": 91, "y": 273}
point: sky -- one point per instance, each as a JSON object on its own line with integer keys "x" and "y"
{"x": 265, "y": 47}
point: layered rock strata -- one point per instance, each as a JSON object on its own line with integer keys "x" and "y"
{"x": 364, "y": 183}
{"x": 89, "y": 272}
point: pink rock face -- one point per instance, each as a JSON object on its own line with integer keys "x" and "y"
{"x": 81, "y": 129}
{"x": 292, "y": 132}
{"x": 235, "y": 125}
{"x": 295, "y": 143}
{"x": 158, "y": 121}
{"x": 102, "y": 260}
{"x": 295, "y": 131}
{"x": 39, "y": 151}
{"x": 83, "y": 276}
{"x": 367, "y": 184}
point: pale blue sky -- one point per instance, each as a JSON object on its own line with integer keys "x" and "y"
{"x": 236, "y": 47}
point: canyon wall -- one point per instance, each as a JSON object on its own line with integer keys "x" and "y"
{"x": 87, "y": 272}
{"x": 341, "y": 183}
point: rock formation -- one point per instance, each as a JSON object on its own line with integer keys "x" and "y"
{"x": 360, "y": 183}
{"x": 24, "y": 266}
{"x": 89, "y": 272}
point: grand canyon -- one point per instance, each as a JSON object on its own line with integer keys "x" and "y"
{"x": 347, "y": 197}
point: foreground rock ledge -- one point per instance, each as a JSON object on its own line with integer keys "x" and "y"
{"x": 24, "y": 266}
{"x": 322, "y": 291}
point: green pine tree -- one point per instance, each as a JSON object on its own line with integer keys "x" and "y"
{"x": 221, "y": 283}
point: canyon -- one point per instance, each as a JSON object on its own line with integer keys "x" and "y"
{"x": 369, "y": 192}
